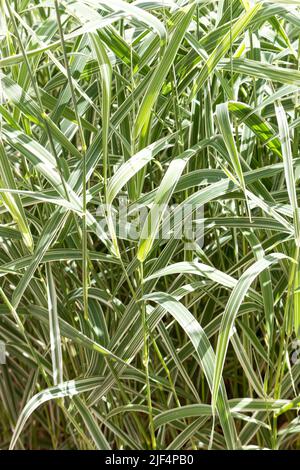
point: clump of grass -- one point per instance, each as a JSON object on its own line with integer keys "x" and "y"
{"x": 149, "y": 339}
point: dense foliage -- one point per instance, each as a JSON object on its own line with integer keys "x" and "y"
{"x": 158, "y": 340}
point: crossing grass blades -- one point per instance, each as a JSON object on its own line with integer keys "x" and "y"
{"x": 149, "y": 342}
